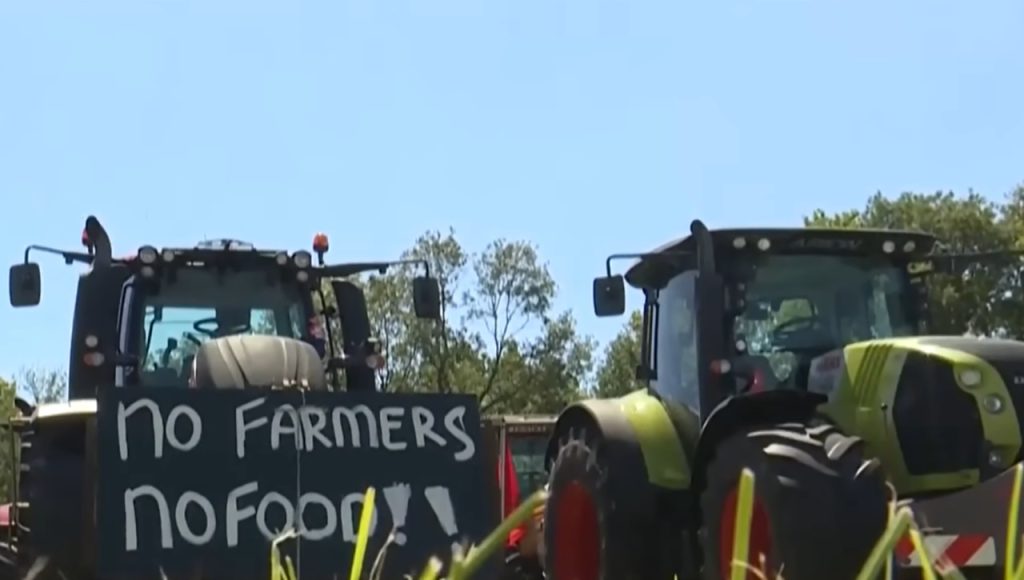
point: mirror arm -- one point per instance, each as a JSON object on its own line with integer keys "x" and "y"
{"x": 642, "y": 256}
{"x": 69, "y": 257}
{"x": 343, "y": 270}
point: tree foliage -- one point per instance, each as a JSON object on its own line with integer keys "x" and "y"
{"x": 986, "y": 298}
{"x": 41, "y": 385}
{"x": 616, "y": 375}
{"x": 7, "y": 455}
{"x": 498, "y": 338}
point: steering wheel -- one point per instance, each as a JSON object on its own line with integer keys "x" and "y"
{"x": 218, "y": 330}
{"x": 786, "y": 328}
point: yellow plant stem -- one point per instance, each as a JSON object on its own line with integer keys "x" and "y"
{"x": 464, "y": 568}
{"x": 362, "y": 538}
{"x": 277, "y": 571}
{"x": 888, "y": 560}
{"x": 741, "y": 527}
{"x": 927, "y": 572}
{"x": 1011, "y": 527}
{"x": 883, "y": 548}
{"x": 432, "y": 570}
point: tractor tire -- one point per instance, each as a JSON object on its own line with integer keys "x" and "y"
{"x": 587, "y": 533}
{"x": 819, "y": 505}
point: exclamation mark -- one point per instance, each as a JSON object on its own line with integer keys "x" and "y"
{"x": 441, "y": 502}
{"x": 397, "y": 497}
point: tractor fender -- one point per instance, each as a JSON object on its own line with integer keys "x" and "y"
{"x": 640, "y": 438}
{"x": 734, "y": 413}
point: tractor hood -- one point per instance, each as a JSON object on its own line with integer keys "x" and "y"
{"x": 1005, "y": 356}
{"x": 77, "y": 407}
{"x": 941, "y": 411}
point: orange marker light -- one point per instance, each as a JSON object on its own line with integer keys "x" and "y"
{"x": 320, "y": 243}
{"x": 85, "y": 238}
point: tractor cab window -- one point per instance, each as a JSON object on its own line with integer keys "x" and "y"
{"x": 799, "y": 307}
{"x": 677, "y": 379}
{"x": 200, "y": 305}
{"x": 528, "y": 453}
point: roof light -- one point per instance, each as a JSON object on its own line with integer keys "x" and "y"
{"x": 888, "y": 246}
{"x": 321, "y": 243}
{"x": 148, "y": 255}
{"x": 282, "y": 259}
{"x": 91, "y": 341}
{"x": 302, "y": 259}
{"x": 909, "y": 246}
{"x": 764, "y": 244}
{"x": 302, "y": 276}
{"x": 739, "y": 243}
{"x": 168, "y": 255}
{"x": 148, "y": 272}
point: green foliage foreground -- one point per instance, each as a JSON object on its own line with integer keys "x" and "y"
{"x": 465, "y": 563}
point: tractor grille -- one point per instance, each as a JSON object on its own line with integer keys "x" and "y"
{"x": 938, "y": 424}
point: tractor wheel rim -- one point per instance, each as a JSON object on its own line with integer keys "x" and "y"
{"x": 577, "y": 546}
{"x": 759, "y": 545}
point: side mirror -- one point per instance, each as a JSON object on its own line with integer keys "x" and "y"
{"x": 25, "y": 284}
{"x": 609, "y": 296}
{"x": 426, "y": 298}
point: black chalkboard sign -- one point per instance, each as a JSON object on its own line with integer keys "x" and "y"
{"x": 196, "y": 483}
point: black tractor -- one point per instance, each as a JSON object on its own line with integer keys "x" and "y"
{"x": 221, "y": 315}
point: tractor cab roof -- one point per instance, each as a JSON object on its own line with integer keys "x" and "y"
{"x": 658, "y": 266}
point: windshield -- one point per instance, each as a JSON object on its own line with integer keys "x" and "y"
{"x": 799, "y": 307}
{"x": 528, "y": 452}
{"x": 200, "y": 305}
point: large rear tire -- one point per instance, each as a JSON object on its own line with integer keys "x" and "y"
{"x": 588, "y": 533}
{"x": 819, "y": 508}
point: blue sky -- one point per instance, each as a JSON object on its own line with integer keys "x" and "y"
{"x": 587, "y": 126}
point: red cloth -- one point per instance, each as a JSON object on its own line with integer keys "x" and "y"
{"x": 512, "y": 497}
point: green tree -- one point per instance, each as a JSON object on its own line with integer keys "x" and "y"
{"x": 973, "y": 301}
{"x": 8, "y": 456}
{"x": 42, "y": 385}
{"x": 497, "y": 338}
{"x": 616, "y": 374}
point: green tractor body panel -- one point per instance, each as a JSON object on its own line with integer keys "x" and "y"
{"x": 664, "y": 433}
{"x": 874, "y": 384}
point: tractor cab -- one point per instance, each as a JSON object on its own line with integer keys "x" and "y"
{"x": 141, "y": 320}
{"x": 750, "y": 310}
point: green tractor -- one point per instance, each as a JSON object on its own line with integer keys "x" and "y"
{"x": 804, "y": 356}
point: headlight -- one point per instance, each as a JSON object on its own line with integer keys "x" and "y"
{"x": 970, "y": 378}
{"x": 148, "y": 255}
{"x": 993, "y": 403}
{"x": 302, "y": 259}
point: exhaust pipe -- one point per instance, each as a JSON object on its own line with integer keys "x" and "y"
{"x": 705, "y": 247}
{"x": 100, "y": 241}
